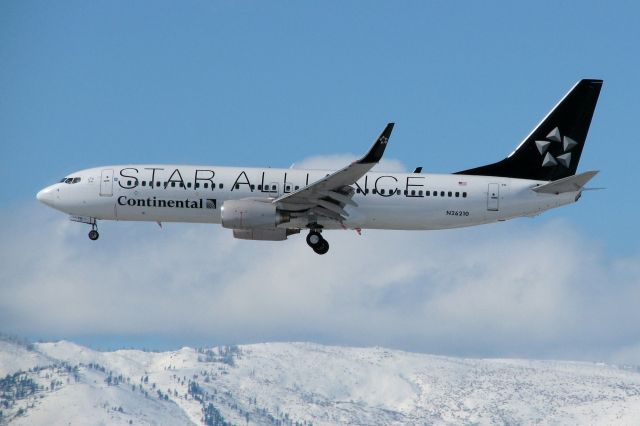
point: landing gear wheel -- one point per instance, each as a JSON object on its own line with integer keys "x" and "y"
{"x": 314, "y": 239}
{"x": 322, "y": 248}
{"x": 93, "y": 235}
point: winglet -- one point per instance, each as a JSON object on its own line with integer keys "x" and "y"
{"x": 377, "y": 149}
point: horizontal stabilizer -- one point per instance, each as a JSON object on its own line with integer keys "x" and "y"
{"x": 568, "y": 184}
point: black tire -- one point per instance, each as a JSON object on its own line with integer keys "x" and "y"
{"x": 314, "y": 239}
{"x": 93, "y": 235}
{"x": 322, "y": 248}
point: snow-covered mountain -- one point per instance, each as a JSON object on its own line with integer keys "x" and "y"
{"x": 303, "y": 384}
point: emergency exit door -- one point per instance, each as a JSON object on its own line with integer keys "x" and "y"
{"x": 106, "y": 183}
{"x": 493, "y": 197}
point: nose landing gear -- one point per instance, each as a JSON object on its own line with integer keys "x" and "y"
{"x": 93, "y": 234}
{"x": 317, "y": 243}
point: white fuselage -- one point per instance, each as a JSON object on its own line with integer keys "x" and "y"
{"x": 410, "y": 201}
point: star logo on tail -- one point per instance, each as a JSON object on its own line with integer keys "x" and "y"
{"x": 553, "y": 138}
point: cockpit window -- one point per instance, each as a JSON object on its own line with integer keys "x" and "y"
{"x": 70, "y": 180}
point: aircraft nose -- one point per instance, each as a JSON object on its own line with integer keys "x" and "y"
{"x": 46, "y": 196}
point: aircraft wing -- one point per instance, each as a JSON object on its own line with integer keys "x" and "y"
{"x": 328, "y": 196}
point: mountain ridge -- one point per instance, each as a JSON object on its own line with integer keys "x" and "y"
{"x": 301, "y": 383}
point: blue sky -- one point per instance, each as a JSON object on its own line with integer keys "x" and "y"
{"x": 272, "y": 83}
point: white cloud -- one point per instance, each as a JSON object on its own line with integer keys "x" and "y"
{"x": 525, "y": 288}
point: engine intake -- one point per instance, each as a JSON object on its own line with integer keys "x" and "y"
{"x": 251, "y": 214}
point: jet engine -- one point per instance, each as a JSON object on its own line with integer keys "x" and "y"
{"x": 251, "y": 214}
{"x": 278, "y": 234}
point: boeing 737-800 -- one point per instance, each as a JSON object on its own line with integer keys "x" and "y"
{"x": 272, "y": 204}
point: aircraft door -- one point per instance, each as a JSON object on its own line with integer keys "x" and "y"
{"x": 106, "y": 183}
{"x": 493, "y": 197}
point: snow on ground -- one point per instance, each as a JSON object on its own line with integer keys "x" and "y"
{"x": 14, "y": 357}
{"x": 312, "y": 384}
{"x": 93, "y": 402}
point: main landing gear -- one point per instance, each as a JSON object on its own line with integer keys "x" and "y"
{"x": 93, "y": 234}
{"x": 317, "y": 243}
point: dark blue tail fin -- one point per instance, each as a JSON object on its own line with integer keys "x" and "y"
{"x": 552, "y": 150}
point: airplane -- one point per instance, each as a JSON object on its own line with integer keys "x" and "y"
{"x": 273, "y": 204}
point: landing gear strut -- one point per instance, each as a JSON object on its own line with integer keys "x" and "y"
{"x": 93, "y": 234}
{"x": 317, "y": 243}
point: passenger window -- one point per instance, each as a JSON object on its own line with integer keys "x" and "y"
{"x": 288, "y": 188}
{"x": 221, "y": 186}
{"x": 413, "y": 192}
{"x": 442, "y": 193}
{"x": 435, "y": 193}
{"x": 375, "y": 191}
{"x": 144, "y": 183}
{"x": 253, "y": 187}
{"x": 273, "y": 187}
{"x": 366, "y": 191}
{"x": 406, "y": 192}
{"x": 464, "y": 195}
{"x": 297, "y": 187}
{"x": 449, "y": 194}
{"x": 206, "y": 185}
{"x": 128, "y": 182}
{"x": 259, "y": 187}
{"x": 357, "y": 190}
{"x": 398, "y": 191}
{"x": 382, "y": 192}
{"x": 457, "y": 194}
{"x": 427, "y": 193}
{"x": 173, "y": 184}
{"x": 420, "y": 193}
{"x": 237, "y": 186}
{"x": 189, "y": 185}
{"x": 181, "y": 184}
{"x": 158, "y": 183}
{"x": 197, "y": 184}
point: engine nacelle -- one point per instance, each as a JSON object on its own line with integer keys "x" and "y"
{"x": 277, "y": 234}
{"x": 251, "y": 214}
